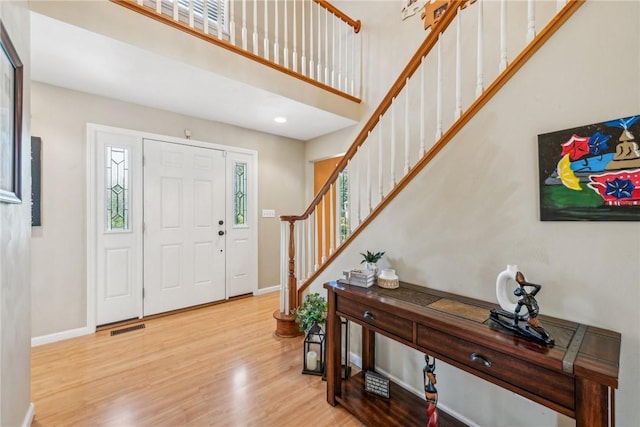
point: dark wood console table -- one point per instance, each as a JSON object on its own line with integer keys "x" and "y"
{"x": 576, "y": 377}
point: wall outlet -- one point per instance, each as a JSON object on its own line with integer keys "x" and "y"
{"x": 268, "y": 213}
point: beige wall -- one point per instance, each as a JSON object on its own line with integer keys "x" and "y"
{"x": 15, "y": 224}
{"x": 59, "y": 117}
{"x": 475, "y": 209}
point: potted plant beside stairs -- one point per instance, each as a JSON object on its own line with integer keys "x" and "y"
{"x": 311, "y": 316}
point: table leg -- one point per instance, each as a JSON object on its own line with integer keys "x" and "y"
{"x": 592, "y": 403}
{"x": 333, "y": 362}
{"x": 368, "y": 349}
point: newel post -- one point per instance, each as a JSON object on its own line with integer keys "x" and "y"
{"x": 286, "y": 327}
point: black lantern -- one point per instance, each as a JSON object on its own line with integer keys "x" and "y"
{"x": 344, "y": 359}
{"x": 313, "y": 355}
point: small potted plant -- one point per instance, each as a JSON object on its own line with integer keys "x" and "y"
{"x": 370, "y": 260}
{"x": 312, "y": 311}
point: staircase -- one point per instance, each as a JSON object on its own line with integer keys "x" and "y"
{"x": 471, "y": 50}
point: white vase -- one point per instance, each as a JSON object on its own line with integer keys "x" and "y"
{"x": 504, "y": 290}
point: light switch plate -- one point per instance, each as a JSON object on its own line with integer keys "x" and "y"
{"x": 268, "y": 213}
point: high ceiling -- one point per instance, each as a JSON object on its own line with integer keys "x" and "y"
{"x": 75, "y": 58}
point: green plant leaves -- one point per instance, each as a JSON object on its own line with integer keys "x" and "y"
{"x": 312, "y": 310}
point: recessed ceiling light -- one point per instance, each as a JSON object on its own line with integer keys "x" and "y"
{"x": 280, "y": 119}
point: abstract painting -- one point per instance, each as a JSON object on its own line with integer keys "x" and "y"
{"x": 591, "y": 173}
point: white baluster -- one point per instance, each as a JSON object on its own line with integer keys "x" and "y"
{"x": 333, "y": 51}
{"x": 340, "y": 57}
{"x": 303, "y": 59}
{"x": 319, "y": 65}
{"x": 243, "y": 31}
{"x": 219, "y": 18}
{"x": 531, "y": 20}
{"x": 276, "y": 46}
{"x": 294, "y": 57}
{"x": 205, "y": 17}
{"x": 298, "y": 259}
{"x": 332, "y": 219}
{"x": 369, "y": 202}
{"x": 191, "y": 16}
{"x": 393, "y": 142}
{"x": 358, "y": 188}
{"x": 176, "y": 15}
{"x": 310, "y": 254}
{"x": 480, "y": 50}
{"x": 316, "y": 247}
{"x": 458, "y": 110}
{"x": 422, "y": 137}
{"x": 255, "y": 27}
{"x": 347, "y": 54}
{"x": 265, "y": 40}
{"x": 380, "y": 183}
{"x": 439, "y": 89}
{"x": 232, "y": 22}
{"x": 326, "y": 47}
{"x": 353, "y": 65}
{"x": 158, "y": 6}
{"x": 503, "y": 36}
{"x": 311, "y": 44}
{"x": 407, "y": 128}
{"x": 323, "y": 243}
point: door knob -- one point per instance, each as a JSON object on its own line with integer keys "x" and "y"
{"x": 220, "y": 222}
{"x": 220, "y": 233}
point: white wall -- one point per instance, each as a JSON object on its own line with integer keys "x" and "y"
{"x": 15, "y": 222}
{"x": 474, "y": 209}
{"x": 59, "y": 117}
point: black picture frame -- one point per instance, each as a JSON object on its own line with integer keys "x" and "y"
{"x": 11, "y": 83}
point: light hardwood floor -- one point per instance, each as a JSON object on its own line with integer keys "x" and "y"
{"x": 215, "y": 366}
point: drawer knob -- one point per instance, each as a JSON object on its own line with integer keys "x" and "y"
{"x": 477, "y": 358}
{"x": 368, "y": 315}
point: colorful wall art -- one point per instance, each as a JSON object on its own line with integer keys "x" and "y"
{"x": 591, "y": 173}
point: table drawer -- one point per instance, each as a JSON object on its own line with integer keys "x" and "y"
{"x": 381, "y": 319}
{"x": 551, "y": 385}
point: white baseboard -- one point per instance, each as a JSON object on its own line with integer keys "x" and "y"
{"x": 355, "y": 359}
{"x": 59, "y": 336}
{"x": 268, "y": 290}
{"x": 28, "y": 417}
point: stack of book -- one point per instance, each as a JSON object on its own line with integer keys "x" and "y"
{"x": 360, "y": 278}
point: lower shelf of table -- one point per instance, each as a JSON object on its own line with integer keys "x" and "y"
{"x": 402, "y": 409}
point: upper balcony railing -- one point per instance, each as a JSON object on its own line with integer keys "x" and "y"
{"x": 308, "y": 39}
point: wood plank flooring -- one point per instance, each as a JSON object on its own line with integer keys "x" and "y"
{"x": 215, "y": 366}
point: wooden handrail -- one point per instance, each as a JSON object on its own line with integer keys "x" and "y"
{"x": 151, "y": 13}
{"x": 340, "y": 14}
{"x": 558, "y": 20}
{"x": 411, "y": 67}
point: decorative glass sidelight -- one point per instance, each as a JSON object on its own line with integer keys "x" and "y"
{"x": 240, "y": 193}
{"x": 117, "y": 188}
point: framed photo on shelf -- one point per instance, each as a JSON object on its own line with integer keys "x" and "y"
{"x": 11, "y": 79}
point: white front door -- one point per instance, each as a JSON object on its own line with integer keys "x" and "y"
{"x": 184, "y": 226}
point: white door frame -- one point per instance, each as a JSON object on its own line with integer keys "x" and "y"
{"x": 92, "y": 194}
